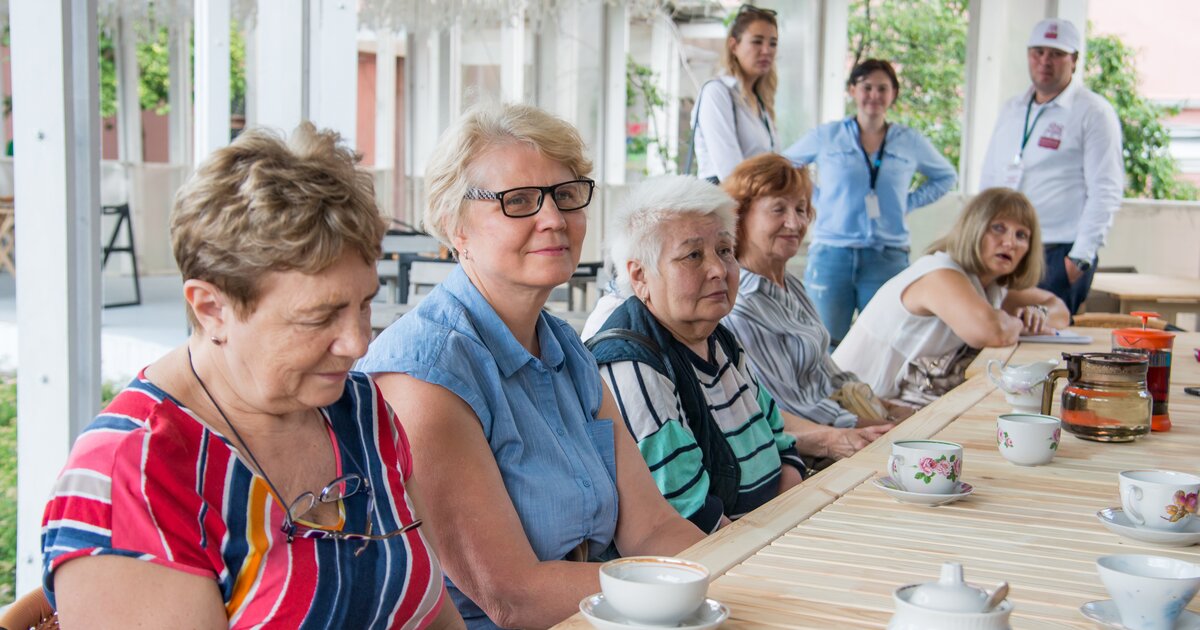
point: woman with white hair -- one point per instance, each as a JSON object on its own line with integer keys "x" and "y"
{"x": 712, "y": 437}
{"x": 513, "y": 428}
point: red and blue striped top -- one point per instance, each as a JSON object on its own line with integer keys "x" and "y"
{"x": 148, "y": 480}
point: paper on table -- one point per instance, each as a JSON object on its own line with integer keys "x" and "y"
{"x": 1062, "y": 336}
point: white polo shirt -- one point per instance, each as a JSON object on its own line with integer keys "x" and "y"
{"x": 1072, "y": 167}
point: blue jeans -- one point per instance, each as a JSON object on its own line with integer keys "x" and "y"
{"x": 842, "y": 279}
{"x": 1055, "y": 278}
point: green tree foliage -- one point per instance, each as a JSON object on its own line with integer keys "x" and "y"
{"x": 154, "y": 69}
{"x": 8, "y": 488}
{"x": 926, "y": 41}
{"x": 1150, "y": 171}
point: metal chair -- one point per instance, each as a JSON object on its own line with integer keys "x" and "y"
{"x": 114, "y": 202}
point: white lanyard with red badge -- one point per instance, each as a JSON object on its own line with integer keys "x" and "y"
{"x": 1013, "y": 172}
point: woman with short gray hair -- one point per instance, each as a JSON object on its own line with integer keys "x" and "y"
{"x": 712, "y": 438}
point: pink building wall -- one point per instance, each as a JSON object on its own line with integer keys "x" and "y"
{"x": 1164, "y": 34}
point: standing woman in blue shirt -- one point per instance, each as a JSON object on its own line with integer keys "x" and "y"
{"x": 734, "y": 118}
{"x": 865, "y": 169}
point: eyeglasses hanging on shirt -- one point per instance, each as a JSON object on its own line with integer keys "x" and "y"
{"x": 1012, "y": 173}
{"x": 873, "y": 167}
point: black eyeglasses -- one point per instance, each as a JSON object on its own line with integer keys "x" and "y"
{"x": 750, "y": 8}
{"x": 526, "y": 201}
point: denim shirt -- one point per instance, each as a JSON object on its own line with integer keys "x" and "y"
{"x": 843, "y": 182}
{"x": 539, "y": 415}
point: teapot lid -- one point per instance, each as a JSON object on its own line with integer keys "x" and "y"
{"x": 1149, "y": 338}
{"x": 950, "y": 593}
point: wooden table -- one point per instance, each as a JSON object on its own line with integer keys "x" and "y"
{"x": 829, "y": 553}
{"x": 1167, "y": 295}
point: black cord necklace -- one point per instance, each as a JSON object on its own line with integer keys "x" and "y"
{"x": 233, "y": 429}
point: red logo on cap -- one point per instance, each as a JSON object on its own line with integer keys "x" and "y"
{"x": 1052, "y": 31}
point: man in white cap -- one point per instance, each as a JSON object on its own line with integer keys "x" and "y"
{"x": 1060, "y": 144}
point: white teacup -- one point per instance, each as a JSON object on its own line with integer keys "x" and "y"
{"x": 1150, "y": 591}
{"x": 1021, "y": 384}
{"x": 654, "y": 590}
{"x": 1159, "y": 499}
{"x": 926, "y": 466}
{"x": 1028, "y": 439}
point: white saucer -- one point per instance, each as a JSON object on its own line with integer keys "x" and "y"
{"x": 601, "y": 615}
{"x": 1115, "y": 520}
{"x": 889, "y": 485}
{"x": 1104, "y": 612}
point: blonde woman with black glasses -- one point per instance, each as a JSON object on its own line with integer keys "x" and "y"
{"x": 522, "y": 448}
{"x": 734, "y": 117}
{"x": 248, "y": 478}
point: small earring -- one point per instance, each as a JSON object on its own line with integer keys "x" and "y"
{"x": 216, "y": 342}
{"x": 465, "y": 255}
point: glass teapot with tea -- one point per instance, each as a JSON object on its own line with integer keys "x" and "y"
{"x": 1105, "y": 399}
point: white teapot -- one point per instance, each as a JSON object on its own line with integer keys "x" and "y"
{"x": 1021, "y": 384}
{"x": 948, "y": 604}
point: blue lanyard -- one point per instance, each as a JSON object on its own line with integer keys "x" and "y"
{"x": 872, "y": 165}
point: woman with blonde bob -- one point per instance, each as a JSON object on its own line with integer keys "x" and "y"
{"x": 249, "y": 478}
{"x": 734, "y": 117}
{"x": 977, "y": 286}
{"x": 528, "y": 475}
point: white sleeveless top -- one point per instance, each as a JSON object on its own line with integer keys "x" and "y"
{"x": 886, "y": 337}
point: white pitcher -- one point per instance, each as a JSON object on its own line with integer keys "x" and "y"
{"x": 1021, "y": 384}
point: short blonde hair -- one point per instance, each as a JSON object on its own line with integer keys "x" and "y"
{"x": 637, "y": 227}
{"x": 450, "y": 171}
{"x": 766, "y": 175}
{"x": 964, "y": 243}
{"x": 265, "y": 204}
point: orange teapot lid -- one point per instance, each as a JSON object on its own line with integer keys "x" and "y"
{"x": 1143, "y": 337}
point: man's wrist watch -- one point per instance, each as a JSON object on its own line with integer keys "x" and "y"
{"x": 1083, "y": 265}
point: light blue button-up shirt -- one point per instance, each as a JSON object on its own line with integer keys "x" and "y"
{"x": 843, "y": 182}
{"x": 538, "y": 414}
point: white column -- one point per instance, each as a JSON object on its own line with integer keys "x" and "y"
{"x": 385, "y": 116}
{"x": 179, "y": 92}
{"x": 451, "y": 61}
{"x": 333, "y": 66}
{"x": 997, "y": 69}
{"x": 512, "y": 58}
{"x": 129, "y": 105}
{"x": 281, "y": 53}
{"x": 832, "y": 72}
{"x": 212, "y": 77}
{"x": 664, "y": 62}
{"x": 54, "y": 52}
{"x": 616, "y": 48}
{"x": 797, "y": 64}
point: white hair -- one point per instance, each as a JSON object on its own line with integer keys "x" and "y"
{"x": 635, "y": 231}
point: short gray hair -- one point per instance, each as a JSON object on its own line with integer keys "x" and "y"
{"x": 483, "y": 126}
{"x": 635, "y": 230}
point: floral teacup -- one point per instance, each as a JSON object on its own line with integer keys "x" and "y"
{"x": 1159, "y": 499}
{"x": 1028, "y": 439}
{"x": 926, "y": 466}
